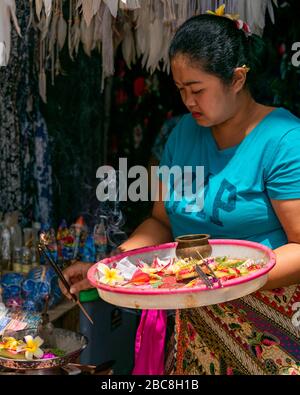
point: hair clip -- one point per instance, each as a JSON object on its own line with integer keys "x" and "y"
{"x": 246, "y": 68}
{"x": 241, "y": 25}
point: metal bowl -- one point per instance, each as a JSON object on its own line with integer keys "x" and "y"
{"x": 193, "y": 246}
{"x": 70, "y": 342}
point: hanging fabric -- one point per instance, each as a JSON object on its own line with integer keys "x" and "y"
{"x": 7, "y": 13}
{"x": 144, "y": 28}
{"x": 25, "y": 182}
{"x": 10, "y": 158}
{"x": 253, "y": 12}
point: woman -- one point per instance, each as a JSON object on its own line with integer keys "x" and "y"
{"x": 251, "y": 159}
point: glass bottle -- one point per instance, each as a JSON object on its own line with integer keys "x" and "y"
{"x": 5, "y": 250}
{"x": 28, "y": 237}
{"x": 17, "y": 260}
{"x": 26, "y": 260}
{"x": 36, "y": 227}
{"x": 34, "y": 258}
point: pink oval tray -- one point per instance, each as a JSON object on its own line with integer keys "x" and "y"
{"x": 168, "y": 298}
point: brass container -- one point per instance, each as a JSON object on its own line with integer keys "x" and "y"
{"x": 192, "y": 246}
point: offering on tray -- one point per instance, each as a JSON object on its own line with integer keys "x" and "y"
{"x": 175, "y": 273}
{"x": 28, "y": 348}
{"x": 155, "y": 277}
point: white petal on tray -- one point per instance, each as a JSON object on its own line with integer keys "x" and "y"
{"x": 161, "y": 263}
{"x": 101, "y": 268}
{"x": 126, "y": 268}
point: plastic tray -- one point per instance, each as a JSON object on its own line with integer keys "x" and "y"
{"x": 167, "y": 298}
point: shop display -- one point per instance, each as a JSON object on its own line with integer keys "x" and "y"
{"x": 30, "y": 277}
{"x": 16, "y": 319}
{"x": 30, "y": 292}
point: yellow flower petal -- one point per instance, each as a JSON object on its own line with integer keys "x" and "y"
{"x": 233, "y": 17}
{"x": 28, "y": 355}
{"x": 28, "y": 339}
{"x": 9, "y": 343}
{"x": 221, "y": 10}
{"x": 104, "y": 280}
{"x": 38, "y": 353}
{"x": 119, "y": 278}
{"x": 107, "y": 271}
{"x": 38, "y": 341}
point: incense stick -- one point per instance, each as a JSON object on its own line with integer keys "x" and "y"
{"x": 45, "y": 251}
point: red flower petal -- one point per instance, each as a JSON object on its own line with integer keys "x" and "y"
{"x": 140, "y": 277}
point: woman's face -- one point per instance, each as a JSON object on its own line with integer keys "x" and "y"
{"x": 210, "y": 101}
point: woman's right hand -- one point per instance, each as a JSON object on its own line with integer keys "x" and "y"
{"x": 76, "y": 275}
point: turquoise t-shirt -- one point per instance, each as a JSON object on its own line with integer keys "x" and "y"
{"x": 239, "y": 182}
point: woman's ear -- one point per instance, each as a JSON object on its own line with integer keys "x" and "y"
{"x": 239, "y": 78}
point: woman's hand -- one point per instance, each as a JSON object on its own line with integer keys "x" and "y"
{"x": 76, "y": 275}
{"x": 154, "y": 230}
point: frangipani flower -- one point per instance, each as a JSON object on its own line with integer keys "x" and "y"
{"x": 221, "y": 12}
{"x": 109, "y": 276}
{"x": 32, "y": 348}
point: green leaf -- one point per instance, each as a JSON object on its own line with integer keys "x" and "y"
{"x": 221, "y": 259}
{"x": 157, "y": 284}
{"x": 57, "y": 351}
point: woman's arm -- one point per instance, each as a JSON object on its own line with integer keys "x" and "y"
{"x": 154, "y": 230}
{"x": 287, "y": 269}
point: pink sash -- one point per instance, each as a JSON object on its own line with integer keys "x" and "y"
{"x": 150, "y": 343}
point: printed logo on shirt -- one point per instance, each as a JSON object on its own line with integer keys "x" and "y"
{"x": 225, "y": 200}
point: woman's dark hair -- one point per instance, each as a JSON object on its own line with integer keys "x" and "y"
{"x": 218, "y": 47}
